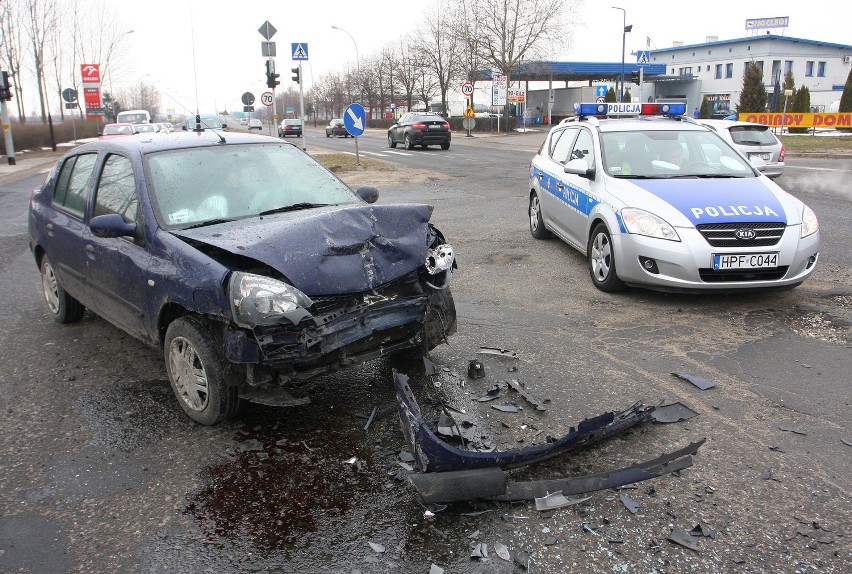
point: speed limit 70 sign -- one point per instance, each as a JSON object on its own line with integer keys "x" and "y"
{"x": 266, "y": 98}
{"x": 467, "y": 89}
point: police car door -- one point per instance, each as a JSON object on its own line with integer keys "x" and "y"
{"x": 553, "y": 206}
{"x": 576, "y": 190}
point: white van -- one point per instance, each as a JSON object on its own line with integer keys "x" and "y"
{"x": 133, "y": 117}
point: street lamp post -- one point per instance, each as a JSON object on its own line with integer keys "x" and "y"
{"x": 357, "y": 58}
{"x": 623, "y": 47}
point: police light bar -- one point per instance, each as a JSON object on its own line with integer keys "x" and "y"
{"x": 630, "y": 109}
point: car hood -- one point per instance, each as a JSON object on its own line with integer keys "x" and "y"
{"x": 700, "y": 201}
{"x": 329, "y": 251}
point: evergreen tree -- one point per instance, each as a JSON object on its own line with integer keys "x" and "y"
{"x": 846, "y": 98}
{"x": 801, "y": 104}
{"x": 753, "y": 94}
{"x": 704, "y": 112}
{"x": 789, "y": 84}
{"x": 628, "y": 97}
{"x": 610, "y": 96}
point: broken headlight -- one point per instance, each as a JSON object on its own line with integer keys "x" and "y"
{"x": 257, "y": 300}
{"x": 440, "y": 261}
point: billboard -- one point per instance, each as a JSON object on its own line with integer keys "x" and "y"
{"x": 765, "y": 23}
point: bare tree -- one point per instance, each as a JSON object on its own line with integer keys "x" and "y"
{"x": 407, "y": 70}
{"x": 39, "y": 23}
{"x": 439, "y": 50}
{"x": 466, "y": 28}
{"x": 11, "y": 45}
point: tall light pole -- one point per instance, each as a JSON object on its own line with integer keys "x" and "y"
{"x": 623, "y": 47}
{"x": 357, "y": 57}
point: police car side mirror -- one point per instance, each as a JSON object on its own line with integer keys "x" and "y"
{"x": 758, "y": 163}
{"x": 580, "y": 167}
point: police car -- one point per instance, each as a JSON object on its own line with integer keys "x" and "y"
{"x": 656, "y": 200}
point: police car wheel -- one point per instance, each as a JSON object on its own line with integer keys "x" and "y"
{"x": 536, "y": 222}
{"x": 601, "y": 256}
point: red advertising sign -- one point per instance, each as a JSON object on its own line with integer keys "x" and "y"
{"x": 91, "y": 73}
{"x": 92, "y": 97}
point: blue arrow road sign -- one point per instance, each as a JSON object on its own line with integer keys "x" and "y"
{"x": 600, "y": 91}
{"x": 355, "y": 119}
{"x": 300, "y": 50}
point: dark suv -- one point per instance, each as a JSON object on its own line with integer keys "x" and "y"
{"x": 422, "y": 129}
{"x": 290, "y": 127}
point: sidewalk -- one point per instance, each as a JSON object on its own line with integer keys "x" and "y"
{"x": 28, "y": 163}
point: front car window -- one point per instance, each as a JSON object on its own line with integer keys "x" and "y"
{"x": 71, "y": 186}
{"x": 116, "y": 192}
{"x": 193, "y": 186}
{"x": 663, "y": 154}
{"x": 563, "y": 145}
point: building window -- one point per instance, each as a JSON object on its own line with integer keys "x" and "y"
{"x": 729, "y": 70}
{"x": 788, "y": 66}
{"x": 718, "y": 71}
{"x": 821, "y": 69}
{"x": 809, "y": 68}
{"x": 776, "y": 72}
{"x": 687, "y": 71}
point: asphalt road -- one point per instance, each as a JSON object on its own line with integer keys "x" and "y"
{"x": 101, "y": 472}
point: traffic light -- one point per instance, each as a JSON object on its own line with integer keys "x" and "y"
{"x": 271, "y": 76}
{"x": 634, "y": 77}
{"x": 295, "y": 74}
{"x": 5, "y": 88}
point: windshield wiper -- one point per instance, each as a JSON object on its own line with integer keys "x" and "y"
{"x": 294, "y": 207}
{"x": 208, "y": 222}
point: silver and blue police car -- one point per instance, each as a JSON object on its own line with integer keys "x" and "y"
{"x": 656, "y": 200}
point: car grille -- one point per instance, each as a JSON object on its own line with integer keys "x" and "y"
{"x": 710, "y": 276}
{"x": 723, "y": 234}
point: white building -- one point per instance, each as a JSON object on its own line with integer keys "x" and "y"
{"x": 715, "y": 69}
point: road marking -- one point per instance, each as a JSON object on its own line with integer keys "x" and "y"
{"x": 376, "y": 153}
{"x": 814, "y": 168}
{"x": 399, "y": 153}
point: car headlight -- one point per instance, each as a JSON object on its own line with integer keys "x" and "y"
{"x": 641, "y": 222}
{"x": 810, "y": 225}
{"x": 257, "y": 300}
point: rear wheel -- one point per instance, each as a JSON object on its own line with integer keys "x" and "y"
{"x": 199, "y": 372}
{"x": 408, "y": 143}
{"x": 445, "y": 145}
{"x": 391, "y": 142}
{"x": 63, "y": 307}
{"x": 537, "y": 228}
{"x": 601, "y": 254}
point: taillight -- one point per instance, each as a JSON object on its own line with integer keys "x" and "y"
{"x": 781, "y": 154}
{"x": 419, "y": 126}
{"x": 447, "y": 127}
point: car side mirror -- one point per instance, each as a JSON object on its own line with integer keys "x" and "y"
{"x": 224, "y": 126}
{"x": 368, "y": 193}
{"x": 580, "y": 167}
{"x": 111, "y": 225}
{"x": 183, "y": 127}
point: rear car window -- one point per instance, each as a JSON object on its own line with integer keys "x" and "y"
{"x": 73, "y": 180}
{"x": 752, "y": 135}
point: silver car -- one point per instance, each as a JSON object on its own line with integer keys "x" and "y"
{"x": 753, "y": 140}
{"x": 666, "y": 204}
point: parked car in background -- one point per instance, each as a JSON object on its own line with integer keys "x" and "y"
{"x": 255, "y": 124}
{"x": 146, "y": 128}
{"x": 336, "y": 128}
{"x": 116, "y": 130}
{"x": 203, "y": 122}
{"x": 243, "y": 121}
{"x": 753, "y": 140}
{"x": 278, "y": 273}
{"x": 420, "y": 129}
{"x": 290, "y": 127}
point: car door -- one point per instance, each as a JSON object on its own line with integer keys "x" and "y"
{"x": 116, "y": 267}
{"x": 577, "y": 201}
{"x": 552, "y": 182}
{"x": 64, "y": 223}
{"x": 398, "y": 129}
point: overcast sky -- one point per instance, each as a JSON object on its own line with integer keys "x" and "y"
{"x": 227, "y": 45}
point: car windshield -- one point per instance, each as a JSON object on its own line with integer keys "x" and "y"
{"x": 667, "y": 154}
{"x": 752, "y": 135}
{"x": 197, "y": 186}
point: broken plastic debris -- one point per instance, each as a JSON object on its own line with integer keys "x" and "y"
{"x": 370, "y": 420}
{"x": 406, "y": 456}
{"x": 629, "y": 503}
{"x": 352, "y": 460}
{"x": 506, "y": 408}
{"x": 591, "y": 527}
{"x": 847, "y": 442}
{"x": 498, "y": 352}
{"x": 378, "y": 548}
{"x": 788, "y": 428}
{"x": 492, "y": 394}
{"x": 428, "y": 514}
{"x": 480, "y": 551}
{"x": 502, "y": 551}
{"x": 538, "y": 404}
{"x": 430, "y": 367}
{"x": 701, "y": 530}
{"x": 435, "y": 569}
{"x": 683, "y": 538}
{"x": 475, "y": 370}
{"x": 556, "y": 500}
{"x": 673, "y": 413}
{"x": 251, "y": 445}
{"x": 702, "y": 384}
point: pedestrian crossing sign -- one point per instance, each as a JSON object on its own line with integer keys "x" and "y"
{"x": 643, "y": 58}
{"x": 300, "y": 50}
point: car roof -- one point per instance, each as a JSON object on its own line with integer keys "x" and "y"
{"x": 142, "y": 144}
{"x": 642, "y": 124}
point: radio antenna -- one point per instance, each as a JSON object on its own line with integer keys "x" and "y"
{"x": 194, "y": 68}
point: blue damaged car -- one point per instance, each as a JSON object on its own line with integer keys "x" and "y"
{"x": 248, "y": 263}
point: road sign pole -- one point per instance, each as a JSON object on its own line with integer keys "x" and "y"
{"x": 641, "y": 81}
{"x": 302, "y": 104}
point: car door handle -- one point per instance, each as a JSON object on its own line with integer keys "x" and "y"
{"x": 90, "y": 251}
{"x": 49, "y": 226}
{"x": 560, "y": 186}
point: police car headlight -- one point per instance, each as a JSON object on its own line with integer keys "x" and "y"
{"x": 810, "y": 225}
{"x": 641, "y": 222}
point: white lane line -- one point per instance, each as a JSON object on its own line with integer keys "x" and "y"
{"x": 399, "y": 153}
{"x": 377, "y": 153}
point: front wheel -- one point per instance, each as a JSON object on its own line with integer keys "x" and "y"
{"x": 391, "y": 142}
{"x": 199, "y": 372}
{"x": 601, "y": 255}
{"x": 63, "y": 307}
{"x": 537, "y": 228}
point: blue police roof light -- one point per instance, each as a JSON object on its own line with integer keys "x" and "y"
{"x": 630, "y": 109}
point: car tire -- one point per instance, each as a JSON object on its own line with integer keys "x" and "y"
{"x": 537, "y": 228}
{"x": 391, "y": 142}
{"x": 601, "y": 256}
{"x": 408, "y": 143}
{"x": 63, "y": 307}
{"x": 328, "y": 135}
{"x": 445, "y": 145}
{"x": 199, "y": 372}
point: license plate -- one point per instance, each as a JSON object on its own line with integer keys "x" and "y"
{"x": 435, "y": 127}
{"x": 745, "y": 261}
{"x": 763, "y": 156}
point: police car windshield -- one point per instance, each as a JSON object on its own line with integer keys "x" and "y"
{"x": 667, "y": 154}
